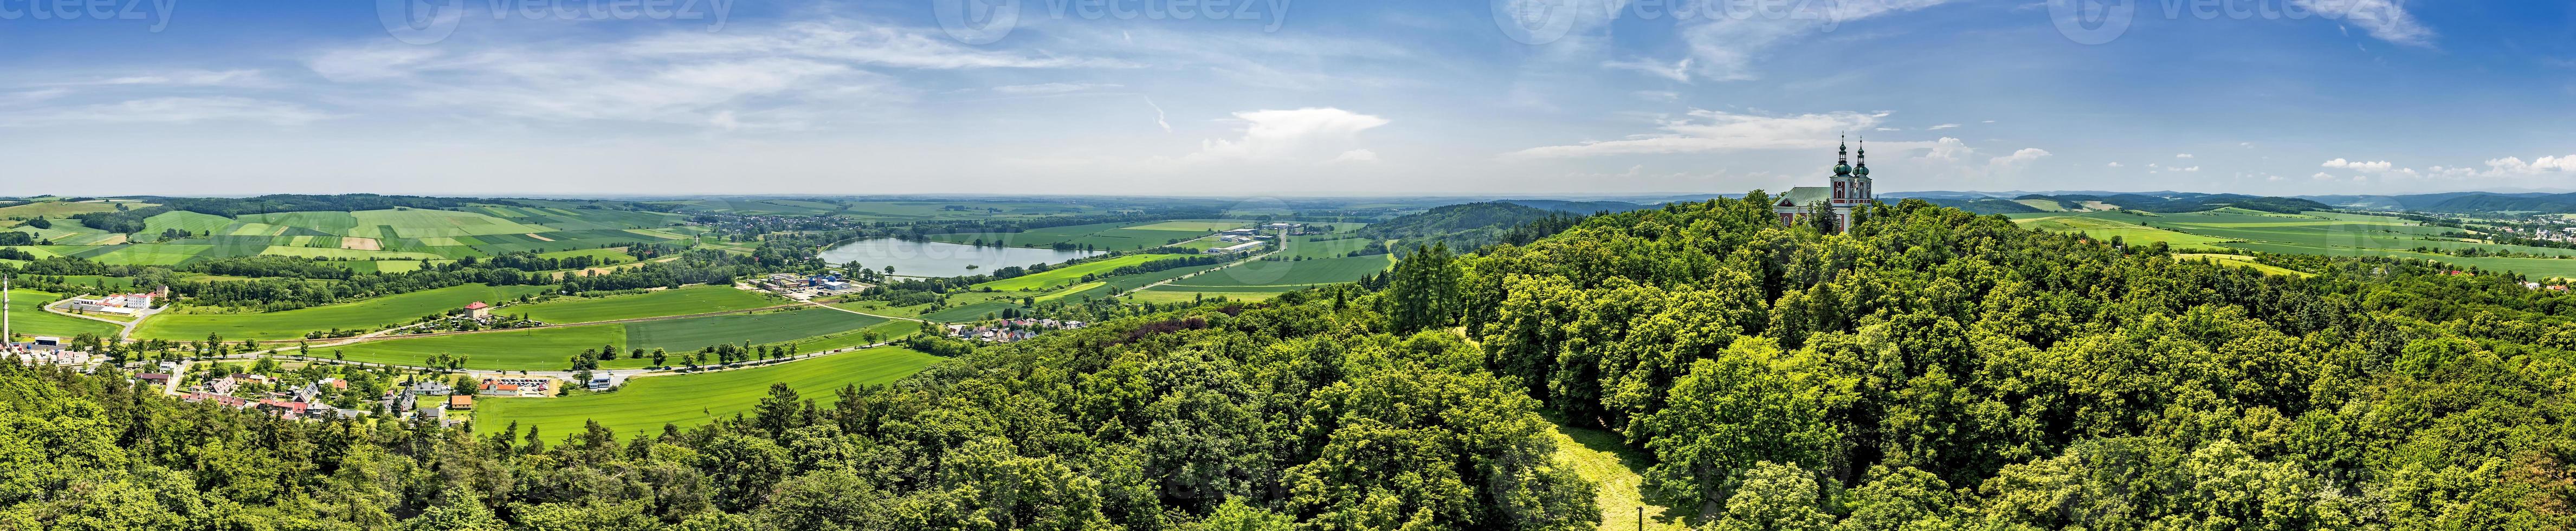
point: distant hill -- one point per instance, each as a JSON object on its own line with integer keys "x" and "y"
{"x": 1471, "y": 225}
{"x": 1578, "y": 207}
{"x": 2458, "y": 202}
{"x": 1985, "y": 205}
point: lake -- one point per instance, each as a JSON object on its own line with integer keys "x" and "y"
{"x": 939, "y": 259}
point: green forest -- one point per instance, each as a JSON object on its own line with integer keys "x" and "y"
{"x": 1931, "y": 370}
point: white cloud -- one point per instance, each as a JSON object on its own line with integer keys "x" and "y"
{"x": 2182, "y": 155}
{"x": 2515, "y": 165}
{"x": 1158, "y": 115}
{"x": 1941, "y": 127}
{"x": 193, "y": 78}
{"x": 2323, "y": 176}
{"x": 1658, "y": 95}
{"x": 1678, "y": 71}
{"x": 2023, "y": 156}
{"x": 2115, "y": 164}
{"x": 2193, "y": 168}
{"x": 169, "y": 110}
{"x": 1356, "y": 155}
{"x": 2375, "y": 166}
{"x": 1727, "y": 46}
{"x": 1290, "y": 135}
{"x": 1053, "y": 88}
{"x": 1708, "y": 130}
{"x": 2385, "y": 19}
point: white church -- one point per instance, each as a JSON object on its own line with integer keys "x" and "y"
{"x": 1850, "y": 189}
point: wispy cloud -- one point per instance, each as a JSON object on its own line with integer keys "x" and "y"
{"x": 168, "y": 110}
{"x": 1709, "y": 130}
{"x": 1053, "y": 88}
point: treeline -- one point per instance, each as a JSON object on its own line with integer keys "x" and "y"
{"x": 1467, "y": 227}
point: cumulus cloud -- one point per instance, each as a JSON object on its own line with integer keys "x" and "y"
{"x": 1941, "y": 127}
{"x": 1291, "y": 135}
{"x": 2115, "y": 164}
{"x": 1706, "y": 130}
{"x": 2023, "y": 156}
{"x": 2339, "y": 163}
{"x": 2182, "y": 155}
{"x": 2516, "y": 166}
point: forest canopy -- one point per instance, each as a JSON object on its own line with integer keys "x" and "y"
{"x": 1933, "y": 369}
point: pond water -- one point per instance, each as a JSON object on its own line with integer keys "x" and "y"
{"x": 940, "y": 259}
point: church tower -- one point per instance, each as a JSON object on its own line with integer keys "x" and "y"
{"x": 1847, "y": 189}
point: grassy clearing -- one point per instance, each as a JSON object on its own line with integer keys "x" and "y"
{"x": 28, "y": 318}
{"x": 686, "y": 400}
{"x": 2239, "y": 260}
{"x": 683, "y": 301}
{"x": 1068, "y": 275}
{"x": 367, "y": 314}
{"x": 1613, "y": 469}
{"x": 56, "y": 209}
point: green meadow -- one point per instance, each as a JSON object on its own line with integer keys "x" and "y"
{"x": 551, "y": 349}
{"x": 367, "y": 314}
{"x": 541, "y": 349}
{"x": 28, "y": 318}
{"x": 683, "y": 301}
{"x": 687, "y": 400}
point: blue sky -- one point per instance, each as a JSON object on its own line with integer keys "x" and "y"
{"x": 1281, "y": 97}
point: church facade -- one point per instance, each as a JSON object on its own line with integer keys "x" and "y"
{"x": 1849, "y": 188}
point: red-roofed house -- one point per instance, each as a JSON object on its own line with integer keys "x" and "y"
{"x": 478, "y": 310}
{"x": 460, "y": 402}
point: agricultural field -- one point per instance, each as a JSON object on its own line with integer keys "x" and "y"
{"x": 2313, "y": 233}
{"x": 291, "y": 324}
{"x": 2120, "y": 224}
{"x": 687, "y": 400}
{"x": 28, "y": 318}
{"x": 1068, "y": 275}
{"x": 1292, "y": 274}
{"x": 694, "y": 333}
{"x": 539, "y": 349}
{"x": 352, "y": 238}
{"x": 683, "y": 301}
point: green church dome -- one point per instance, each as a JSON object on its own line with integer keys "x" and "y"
{"x": 1842, "y": 169}
{"x": 1861, "y": 171}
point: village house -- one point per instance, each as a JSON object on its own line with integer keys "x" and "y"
{"x": 460, "y": 402}
{"x": 478, "y": 310}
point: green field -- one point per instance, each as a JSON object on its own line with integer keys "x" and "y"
{"x": 2239, "y": 260}
{"x": 28, "y": 318}
{"x": 695, "y": 333}
{"x": 687, "y": 400}
{"x": 542, "y": 349}
{"x": 2109, "y": 225}
{"x": 1297, "y": 274}
{"x": 551, "y": 349}
{"x": 367, "y": 314}
{"x": 1069, "y": 275}
{"x": 683, "y": 301}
